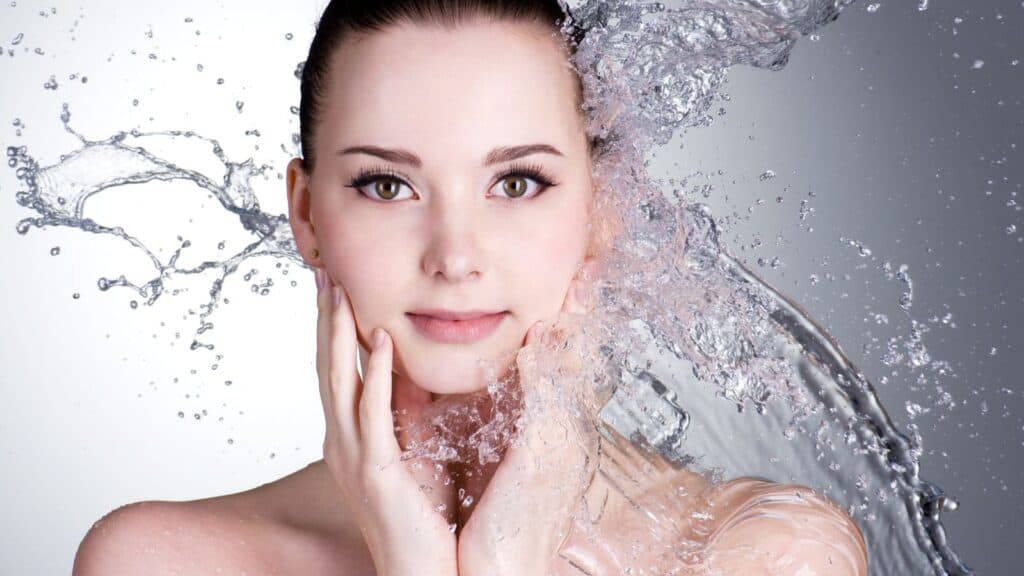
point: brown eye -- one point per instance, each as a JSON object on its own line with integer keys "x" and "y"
{"x": 515, "y": 186}
{"x": 387, "y": 189}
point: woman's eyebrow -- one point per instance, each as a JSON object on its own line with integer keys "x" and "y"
{"x": 501, "y": 154}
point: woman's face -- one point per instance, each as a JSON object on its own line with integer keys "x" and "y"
{"x": 425, "y": 194}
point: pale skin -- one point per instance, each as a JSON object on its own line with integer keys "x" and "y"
{"x": 451, "y": 236}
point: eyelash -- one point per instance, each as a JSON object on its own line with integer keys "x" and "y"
{"x": 532, "y": 171}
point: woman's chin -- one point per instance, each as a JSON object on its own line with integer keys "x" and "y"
{"x": 461, "y": 374}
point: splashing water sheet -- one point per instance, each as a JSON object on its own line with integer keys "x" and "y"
{"x": 155, "y": 295}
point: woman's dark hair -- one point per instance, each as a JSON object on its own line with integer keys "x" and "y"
{"x": 342, "y": 18}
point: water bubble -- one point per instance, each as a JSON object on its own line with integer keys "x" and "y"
{"x": 76, "y": 295}
{"x": 238, "y": 105}
{"x": 220, "y": 81}
{"x": 288, "y": 36}
{"x": 914, "y": 410}
{"x": 17, "y": 39}
{"x": 231, "y": 440}
{"x": 51, "y": 84}
{"x": 181, "y": 414}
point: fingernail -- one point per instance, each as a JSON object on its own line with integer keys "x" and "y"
{"x": 535, "y": 331}
{"x": 336, "y": 295}
{"x": 378, "y": 338}
{"x": 319, "y": 279}
{"x": 583, "y": 294}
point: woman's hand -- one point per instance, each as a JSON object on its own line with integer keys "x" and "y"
{"x": 528, "y": 509}
{"x": 404, "y": 531}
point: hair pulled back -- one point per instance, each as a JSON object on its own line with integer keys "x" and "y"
{"x": 343, "y": 18}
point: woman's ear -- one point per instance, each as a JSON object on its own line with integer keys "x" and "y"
{"x": 300, "y": 214}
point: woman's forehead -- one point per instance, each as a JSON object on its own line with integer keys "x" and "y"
{"x": 414, "y": 82}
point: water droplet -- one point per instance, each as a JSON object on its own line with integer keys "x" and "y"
{"x": 239, "y": 105}
{"x": 288, "y": 36}
{"x": 766, "y": 175}
{"x": 55, "y": 251}
{"x": 1011, "y": 229}
{"x": 874, "y": 6}
{"x": 978, "y": 64}
{"x": 181, "y": 414}
{"x": 17, "y": 39}
{"x": 76, "y": 295}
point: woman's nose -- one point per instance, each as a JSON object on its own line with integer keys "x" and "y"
{"x": 454, "y": 247}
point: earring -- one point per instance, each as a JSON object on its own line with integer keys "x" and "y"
{"x": 316, "y": 253}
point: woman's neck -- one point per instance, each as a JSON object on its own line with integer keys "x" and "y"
{"x": 469, "y": 478}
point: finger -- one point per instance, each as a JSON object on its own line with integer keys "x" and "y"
{"x": 323, "y": 341}
{"x": 579, "y": 296}
{"x": 342, "y": 373}
{"x": 377, "y": 426}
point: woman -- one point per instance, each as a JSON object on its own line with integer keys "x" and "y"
{"x": 445, "y": 199}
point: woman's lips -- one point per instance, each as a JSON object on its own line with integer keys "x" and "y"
{"x": 457, "y": 331}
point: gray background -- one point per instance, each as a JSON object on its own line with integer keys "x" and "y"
{"x": 906, "y": 146}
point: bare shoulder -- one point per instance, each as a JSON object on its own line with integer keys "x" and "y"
{"x": 246, "y": 532}
{"x": 788, "y": 526}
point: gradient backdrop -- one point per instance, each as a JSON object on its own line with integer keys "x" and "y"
{"x": 899, "y": 129}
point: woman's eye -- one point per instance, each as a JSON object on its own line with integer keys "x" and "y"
{"x": 518, "y": 186}
{"x": 384, "y": 188}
